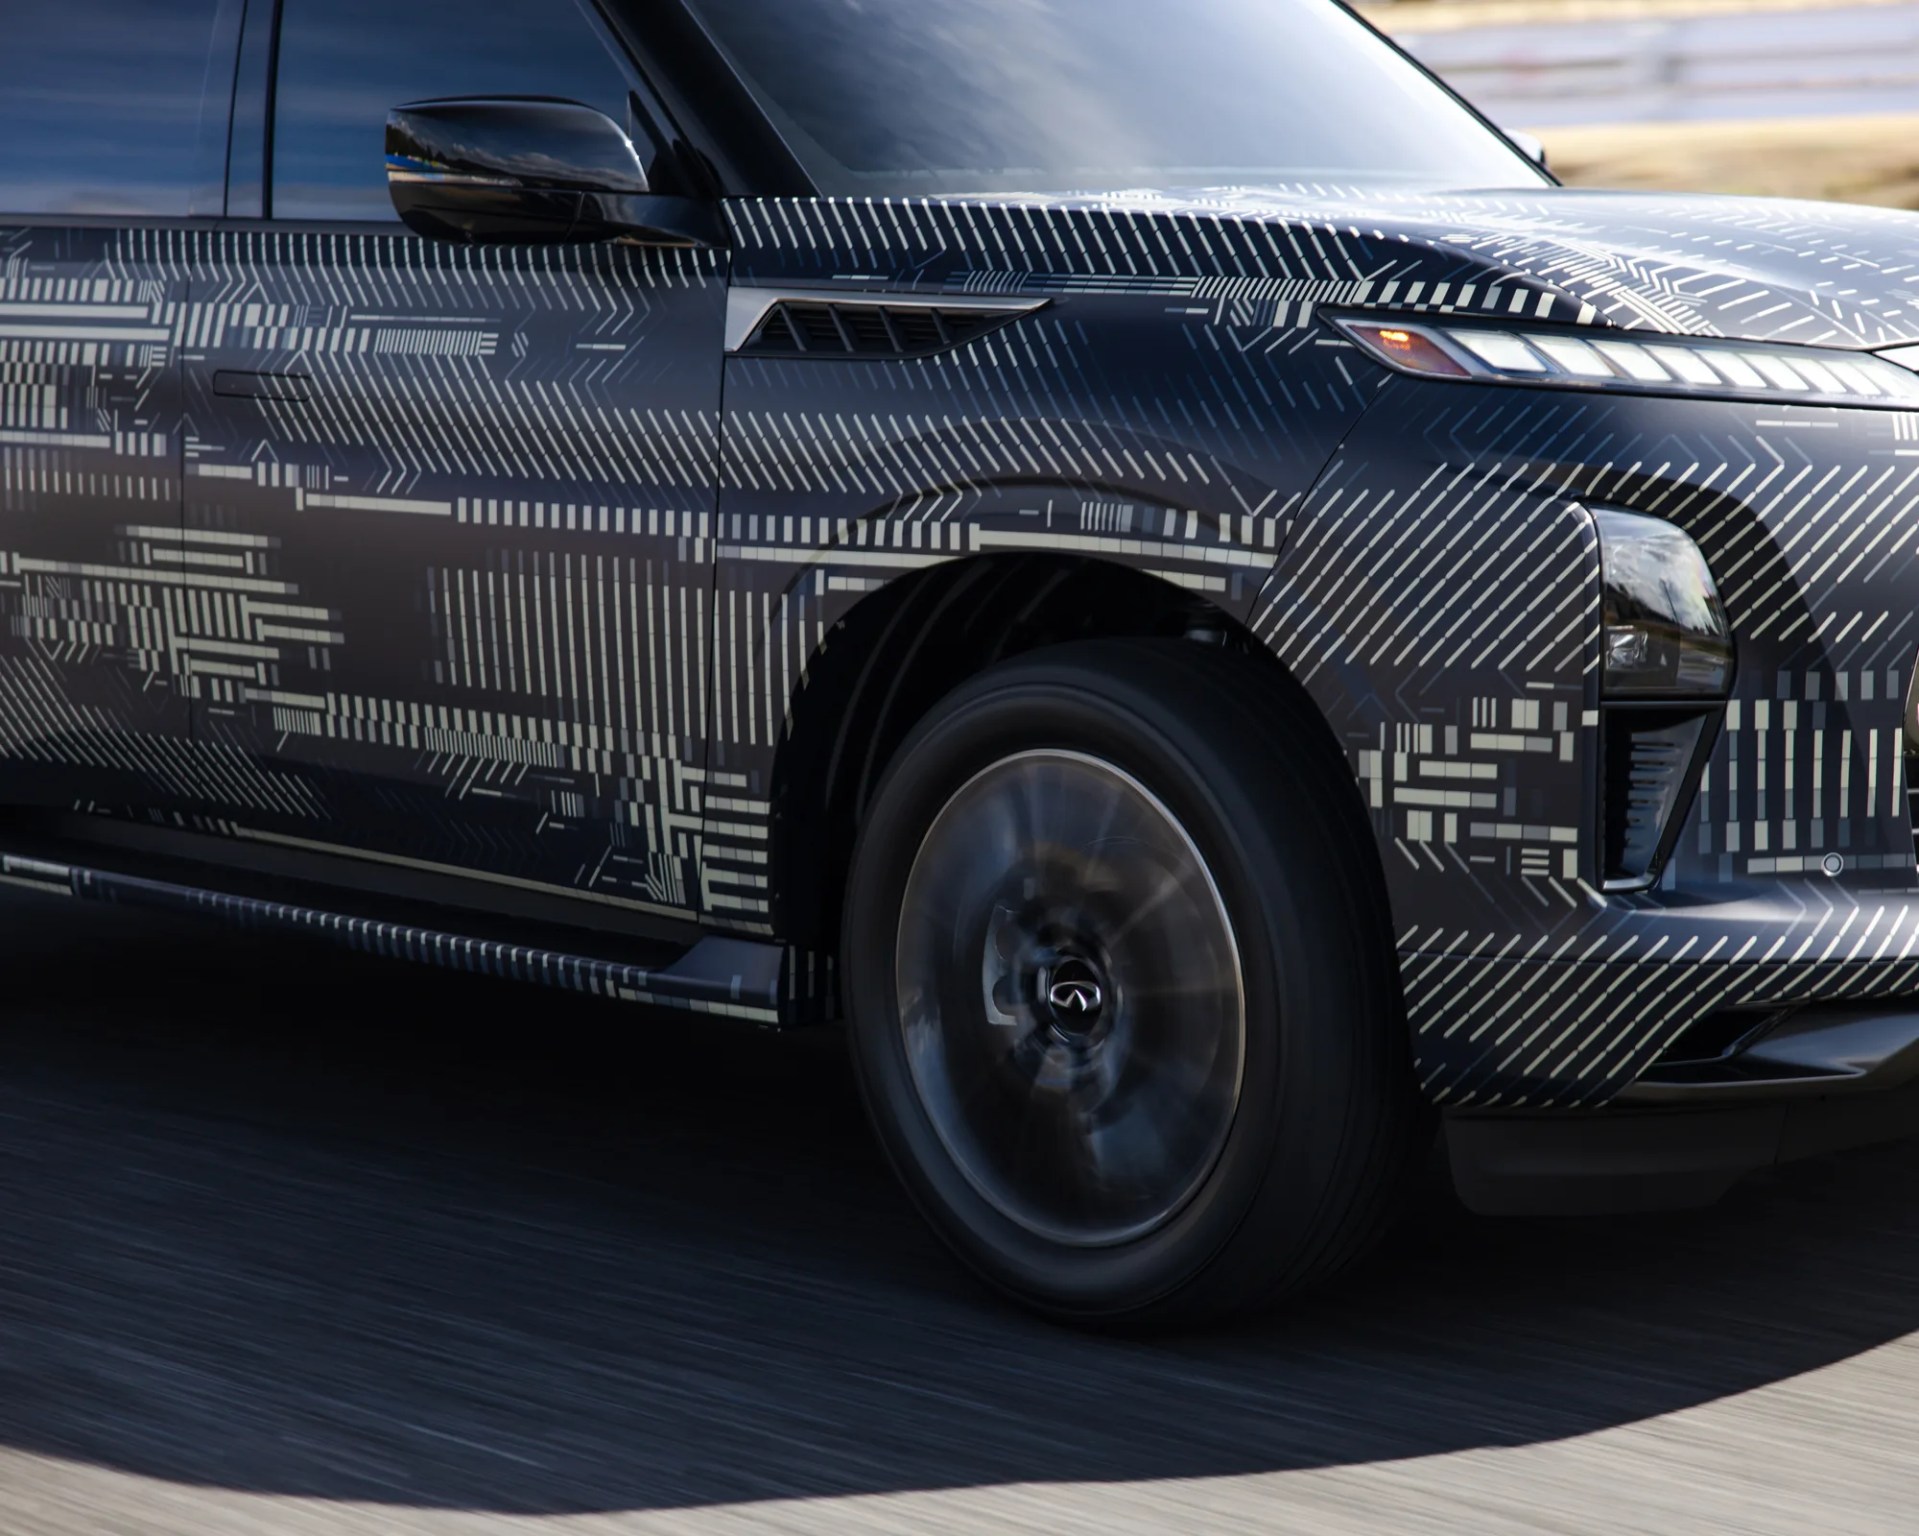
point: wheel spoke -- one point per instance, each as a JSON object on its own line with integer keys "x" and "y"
{"x": 1166, "y": 890}
{"x": 1077, "y": 1032}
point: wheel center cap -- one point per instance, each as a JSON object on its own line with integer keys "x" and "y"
{"x": 1075, "y": 996}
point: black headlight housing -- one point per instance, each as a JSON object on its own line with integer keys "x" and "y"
{"x": 1666, "y": 670}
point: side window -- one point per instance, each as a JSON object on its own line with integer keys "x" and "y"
{"x": 345, "y": 63}
{"x": 100, "y": 104}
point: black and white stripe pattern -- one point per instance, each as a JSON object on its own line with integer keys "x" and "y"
{"x": 528, "y": 582}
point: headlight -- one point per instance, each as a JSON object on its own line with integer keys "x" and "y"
{"x": 1666, "y": 634}
{"x": 1591, "y": 358}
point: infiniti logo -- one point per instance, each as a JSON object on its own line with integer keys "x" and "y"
{"x": 1080, "y": 997}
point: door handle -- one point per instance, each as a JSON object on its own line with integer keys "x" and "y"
{"x": 260, "y": 386}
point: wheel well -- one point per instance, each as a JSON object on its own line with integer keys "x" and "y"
{"x": 904, "y": 648}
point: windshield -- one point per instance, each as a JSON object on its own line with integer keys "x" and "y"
{"x": 916, "y": 97}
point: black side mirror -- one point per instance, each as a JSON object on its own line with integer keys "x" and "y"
{"x": 529, "y": 171}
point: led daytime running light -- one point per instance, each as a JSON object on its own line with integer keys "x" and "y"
{"x": 1641, "y": 363}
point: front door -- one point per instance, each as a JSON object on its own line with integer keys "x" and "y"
{"x": 472, "y": 486}
{"x": 101, "y": 167}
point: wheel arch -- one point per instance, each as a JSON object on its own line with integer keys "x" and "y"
{"x": 890, "y": 658}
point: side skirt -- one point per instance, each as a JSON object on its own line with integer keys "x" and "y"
{"x": 734, "y": 978}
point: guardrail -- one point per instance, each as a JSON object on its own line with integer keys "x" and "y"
{"x": 1763, "y": 64}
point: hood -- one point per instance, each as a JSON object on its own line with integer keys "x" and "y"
{"x": 1752, "y": 269}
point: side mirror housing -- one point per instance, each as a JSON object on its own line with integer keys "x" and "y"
{"x": 530, "y": 171}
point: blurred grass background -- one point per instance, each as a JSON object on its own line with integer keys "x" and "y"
{"x": 1843, "y": 159}
{"x": 1860, "y": 159}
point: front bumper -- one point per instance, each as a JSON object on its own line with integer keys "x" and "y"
{"x": 1801, "y": 1083}
{"x": 1579, "y": 1023}
{"x": 1439, "y": 596}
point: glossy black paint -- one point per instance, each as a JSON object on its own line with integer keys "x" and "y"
{"x": 528, "y": 172}
{"x": 538, "y": 563}
{"x": 344, "y": 64}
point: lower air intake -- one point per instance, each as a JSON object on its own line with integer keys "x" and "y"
{"x": 1912, "y": 801}
{"x": 1652, "y": 768}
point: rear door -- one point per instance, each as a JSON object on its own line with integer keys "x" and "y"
{"x": 475, "y": 484}
{"x": 113, "y": 122}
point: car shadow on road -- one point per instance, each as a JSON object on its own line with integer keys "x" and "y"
{"x": 285, "y": 1221}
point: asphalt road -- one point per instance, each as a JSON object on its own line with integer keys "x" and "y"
{"x": 291, "y": 1242}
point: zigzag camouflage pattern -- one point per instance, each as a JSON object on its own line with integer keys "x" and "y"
{"x": 439, "y": 588}
{"x": 1794, "y": 876}
{"x": 528, "y": 581}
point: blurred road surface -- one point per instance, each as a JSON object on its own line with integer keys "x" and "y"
{"x": 297, "y": 1243}
{"x": 1858, "y": 59}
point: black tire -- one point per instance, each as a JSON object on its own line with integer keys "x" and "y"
{"x": 1212, "y": 785}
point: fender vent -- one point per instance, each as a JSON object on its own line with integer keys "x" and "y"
{"x": 795, "y": 329}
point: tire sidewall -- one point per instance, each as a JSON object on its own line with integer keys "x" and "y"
{"x": 1291, "y": 948}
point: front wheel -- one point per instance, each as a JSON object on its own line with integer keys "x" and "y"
{"x": 1121, "y": 986}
